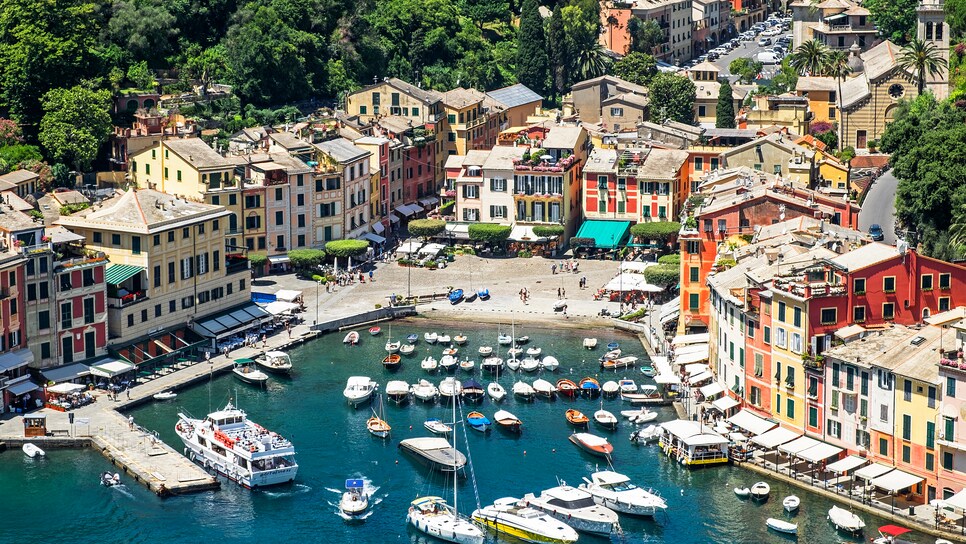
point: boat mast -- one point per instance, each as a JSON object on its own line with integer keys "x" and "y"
{"x": 456, "y": 513}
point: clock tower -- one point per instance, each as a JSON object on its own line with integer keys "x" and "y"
{"x": 932, "y": 28}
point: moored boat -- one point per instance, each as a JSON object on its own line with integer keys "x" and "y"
{"x": 352, "y": 338}
{"x": 645, "y": 394}
{"x": 459, "y": 339}
{"x": 576, "y": 508}
{"x": 522, "y": 340}
{"x": 513, "y": 364}
{"x": 412, "y": 338}
{"x": 430, "y": 337}
{"x": 452, "y": 351}
{"x": 589, "y": 387}
{"x": 397, "y": 391}
{"x": 514, "y": 352}
{"x": 504, "y": 339}
{"x": 627, "y": 386}
{"x": 110, "y": 480}
{"x": 648, "y": 434}
{"x": 534, "y": 351}
{"x": 407, "y": 349}
{"x": 590, "y": 343}
{"x": 467, "y": 365}
{"x": 244, "y": 370}
{"x": 483, "y": 293}
{"x": 592, "y": 444}
{"x": 443, "y": 338}
{"x": 513, "y": 517}
{"x": 485, "y": 351}
{"x": 508, "y": 421}
{"x": 374, "y": 331}
{"x": 393, "y": 347}
{"x": 354, "y": 501}
{"x": 448, "y": 362}
{"x": 434, "y": 517}
{"x": 478, "y": 422}
{"x": 615, "y": 491}
{"x": 425, "y": 391}
{"x": 529, "y": 364}
{"x": 455, "y": 296}
{"x": 605, "y": 419}
{"x": 791, "y": 503}
{"x": 274, "y": 361}
{"x": 544, "y": 389}
{"x": 576, "y": 418}
{"x": 473, "y": 391}
{"x": 760, "y": 491}
{"x": 523, "y": 391}
{"x": 32, "y": 450}
{"x": 611, "y": 346}
{"x": 619, "y": 363}
{"x": 845, "y": 521}
{"x": 549, "y": 363}
{"x": 496, "y": 391}
{"x": 742, "y": 492}
{"x": 434, "y": 452}
{"x": 491, "y": 364}
{"x": 359, "y": 389}
{"x": 610, "y": 389}
{"x": 436, "y": 426}
{"x": 165, "y": 395}
{"x": 782, "y": 526}
{"x": 611, "y": 354}
{"x": 392, "y": 361}
{"x": 450, "y": 388}
{"x": 429, "y": 364}
{"x": 649, "y": 370}
{"x": 378, "y": 427}
{"x": 567, "y": 388}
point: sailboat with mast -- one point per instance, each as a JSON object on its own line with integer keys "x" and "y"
{"x": 433, "y": 516}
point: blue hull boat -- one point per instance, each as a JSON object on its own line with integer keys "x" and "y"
{"x": 412, "y": 338}
{"x": 484, "y": 294}
{"x": 612, "y": 346}
{"x": 455, "y": 296}
{"x": 478, "y": 422}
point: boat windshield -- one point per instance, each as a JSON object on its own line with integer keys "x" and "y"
{"x": 622, "y": 486}
{"x": 273, "y": 463}
{"x": 574, "y": 504}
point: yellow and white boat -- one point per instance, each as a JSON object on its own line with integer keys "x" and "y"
{"x": 514, "y": 517}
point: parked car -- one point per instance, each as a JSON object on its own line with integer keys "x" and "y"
{"x": 875, "y": 231}
{"x": 767, "y": 57}
{"x": 764, "y": 41}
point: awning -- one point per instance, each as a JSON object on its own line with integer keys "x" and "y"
{"x": 800, "y": 444}
{"x": 819, "y": 453}
{"x": 775, "y": 438}
{"x": 629, "y": 281}
{"x": 670, "y": 316}
{"x": 405, "y": 210}
{"x": 429, "y": 201}
{"x": 278, "y": 259}
{"x": 634, "y": 266}
{"x": 724, "y": 404}
{"x": 65, "y": 388}
{"x": 65, "y": 373}
{"x": 221, "y": 325}
{"x": 666, "y": 379}
{"x": 711, "y": 389}
{"x": 872, "y": 471}
{"x": 693, "y": 348}
{"x": 21, "y": 388}
{"x": 279, "y": 307}
{"x": 849, "y": 463}
{"x": 750, "y": 422}
{"x": 110, "y": 369}
{"x": 896, "y": 481}
{"x": 850, "y": 331}
{"x": 378, "y": 227}
{"x": 15, "y": 359}
{"x": 522, "y": 233}
{"x": 372, "y": 237}
{"x": 60, "y": 235}
{"x": 288, "y": 295}
{"x": 957, "y": 501}
{"x": 700, "y": 377}
{"x": 117, "y": 273}
{"x": 686, "y": 339}
{"x": 696, "y": 368}
{"x": 606, "y": 234}
{"x": 409, "y": 247}
{"x": 458, "y": 231}
{"x": 431, "y": 249}
{"x": 705, "y": 439}
{"x": 693, "y": 357}
{"x": 393, "y": 218}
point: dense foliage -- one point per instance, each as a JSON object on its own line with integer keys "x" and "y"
{"x": 662, "y": 231}
{"x": 548, "y": 231}
{"x": 636, "y": 67}
{"x": 346, "y": 248}
{"x": 306, "y": 259}
{"x": 662, "y": 275}
{"x": 672, "y": 259}
{"x": 895, "y": 19}
{"x": 489, "y": 232}
{"x": 425, "y": 228}
{"x": 672, "y": 97}
{"x": 746, "y": 69}
{"x": 725, "y": 111}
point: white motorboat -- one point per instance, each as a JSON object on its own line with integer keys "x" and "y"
{"x": 530, "y": 364}
{"x": 443, "y": 339}
{"x": 245, "y": 371}
{"x": 429, "y": 364}
{"x": 407, "y": 349}
{"x": 523, "y": 391}
{"x": 274, "y": 361}
{"x": 359, "y": 389}
{"x": 782, "y": 526}
{"x": 619, "y": 363}
{"x": 436, "y": 426}
{"x": 545, "y": 389}
{"x": 513, "y": 364}
{"x": 397, "y": 391}
{"x": 646, "y": 394}
{"x": 450, "y": 388}
{"x": 590, "y": 343}
{"x": 611, "y": 355}
{"x": 496, "y": 391}
{"x": 615, "y": 491}
{"x": 576, "y": 508}
{"x": 511, "y": 516}
{"x": 549, "y": 363}
{"x": 646, "y": 435}
{"x": 459, "y": 339}
{"x": 32, "y": 450}
{"x": 110, "y": 480}
{"x": 430, "y": 337}
{"x": 492, "y": 364}
{"x": 791, "y": 503}
{"x": 605, "y": 419}
{"x": 485, "y": 351}
{"x": 534, "y": 351}
{"x": 514, "y": 352}
{"x": 845, "y": 521}
{"x": 504, "y": 339}
{"x": 448, "y": 362}
{"x": 742, "y": 492}
{"x": 232, "y": 445}
{"x": 627, "y": 386}
{"x": 352, "y": 338}
{"x": 760, "y": 491}
{"x": 164, "y": 395}
{"x": 393, "y": 347}
{"x": 639, "y": 417}
{"x": 610, "y": 388}
{"x": 434, "y": 452}
{"x": 467, "y": 365}
{"x": 425, "y": 391}
{"x": 354, "y": 501}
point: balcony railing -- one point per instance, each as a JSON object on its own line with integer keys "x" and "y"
{"x": 806, "y": 289}
{"x": 129, "y": 299}
{"x": 37, "y": 248}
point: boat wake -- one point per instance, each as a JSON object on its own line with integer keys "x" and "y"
{"x": 370, "y": 489}
{"x": 122, "y": 489}
{"x": 296, "y": 489}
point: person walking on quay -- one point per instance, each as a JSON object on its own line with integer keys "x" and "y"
{"x": 264, "y": 341}
{"x": 558, "y": 292}
{"x": 371, "y": 273}
{"x": 564, "y": 293}
{"x": 553, "y": 268}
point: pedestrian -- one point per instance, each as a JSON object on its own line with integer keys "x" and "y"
{"x": 264, "y": 341}
{"x": 288, "y": 329}
{"x": 370, "y": 275}
{"x": 128, "y": 391}
{"x": 553, "y": 269}
{"x": 558, "y": 292}
{"x": 208, "y": 356}
{"x": 564, "y": 295}
{"x": 130, "y": 422}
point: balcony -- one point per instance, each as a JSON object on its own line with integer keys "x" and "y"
{"x": 539, "y": 164}
{"x": 126, "y": 300}
{"x": 806, "y": 289}
{"x": 956, "y": 365}
{"x": 45, "y": 247}
{"x": 814, "y": 364}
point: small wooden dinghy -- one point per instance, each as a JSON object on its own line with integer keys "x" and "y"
{"x": 782, "y": 526}
{"x": 577, "y": 418}
{"x": 374, "y": 331}
{"x": 496, "y": 391}
{"x": 436, "y": 426}
{"x": 392, "y": 361}
{"x": 567, "y": 388}
{"x": 760, "y": 491}
{"x": 378, "y": 427}
{"x": 791, "y": 503}
{"x": 508, "y": 421}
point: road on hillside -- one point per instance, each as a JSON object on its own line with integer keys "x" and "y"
{"x": 879, "y": 206}
{"x": 749, "y": 50}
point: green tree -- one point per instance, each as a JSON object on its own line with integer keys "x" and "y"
{"x": 139, "y": 74}
{"x": 956, "y": 17}
{"x": 205, "y": 64}
{"x": 145, "y": 29}
{"x": 837, "y": 67}
{"x": 257, "y": 260}
{"x": 725, "y": 112}
{"x": 75, "y": 124}
{"x": 784, "y": 80}
{"x": 306, "y": 259}
{"x": 426, "y": 228}
{"x": 663, "y": 275}
{"x": 672, "y": 97}
{"x": 746, "y": 69}
{"x": 895, "y": 19}
{"x": 809, "y": 58}
{"x": 559, "y": 58}
{"x": 61, "y": 175}
{"x": 923, "y": 59}
{"x": 636, "y": 67}
{"x": 548, "y": 231}
{"x": 489, "y": 232}
{"x": 346, "y": 248}
{"x": 18, "y": 154}
{"x": 581, "y": 22}
{"x": 662, "y": 231}
{"x": 645, "y": 35}
{"x": 486, "y": 11}
{"x": 532, "y": 63}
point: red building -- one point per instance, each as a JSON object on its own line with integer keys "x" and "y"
{"x": 636, "y": 185}
{"x": 758, "y": 372}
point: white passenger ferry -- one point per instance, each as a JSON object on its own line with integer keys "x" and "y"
{"x": 239, "y": 449}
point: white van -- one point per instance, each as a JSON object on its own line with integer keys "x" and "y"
{"x": 767, "y": 57}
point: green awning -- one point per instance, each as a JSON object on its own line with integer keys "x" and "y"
{"x": 117, "y": 273}
{"x": 606, "y": 234}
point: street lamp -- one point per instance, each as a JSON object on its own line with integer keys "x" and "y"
{"x": 318, "y": 284}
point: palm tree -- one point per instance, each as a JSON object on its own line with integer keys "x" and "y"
{"x": 809, "y": 58}
{"x": 591, "y": 62}
{"x": 836, "y": 65}
{"x": 920, "y": 57}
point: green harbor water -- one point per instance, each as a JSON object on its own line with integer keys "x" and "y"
{"x": 59, "y": 498}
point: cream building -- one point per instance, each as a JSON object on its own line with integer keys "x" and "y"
{"x": 342, "y": 197}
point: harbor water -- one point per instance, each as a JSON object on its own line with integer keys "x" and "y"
{"x": 59, "y": 498}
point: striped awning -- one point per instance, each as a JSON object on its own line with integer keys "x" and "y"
{"x": 116, "y": 274}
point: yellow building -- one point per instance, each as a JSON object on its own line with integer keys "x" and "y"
{"x": 169, "y": 263}
{"x": 706, "y": 90}
{"x": 788, "y": 339}
{"x": 466, "y": 121}
{"x": 833, "y": 174}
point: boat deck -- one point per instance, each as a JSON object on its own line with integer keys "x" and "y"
{"x": 434, "y": 451}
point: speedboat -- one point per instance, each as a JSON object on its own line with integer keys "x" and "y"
{"x": 483, "y": 293}
{"x": 448, "y": 362}
{"x": 611, "y": 389}
{"x": 429, "y": 364}
{"x": 576, "y": 418}
{"x": 165, "y": 395}
{"x": 359, "y": 389}
{"x": 393, "y": 347}
{"x": 459, "y": 339}
{"x": 412, "y": 338}
{"x": 378, "y": 427}
{"x": 576, "y": 508}
{"x": 782, "y": 526}
{"x": 530, "y": 364}
{"x": 514, "y": 352}
{"x": 504, "y": 339}
{"x": 397, "y": 391}
{"x": 742, "y": 492}
{"x": 496, "y": 391}
{"x": 352, "y": 338}
{"x": 491, "y": 364}
{"x": 275, "y": 361}
{"x": 845, "y": 521}
{"x": 645, "y": 435}
{"x": 590, "y": 343}
{"x": 110, "y": 480}
{"x": 889, "y": 534}
{"x": 627, "y": 386}
{"x": 549, "y": 363}
{"x": 425, "y": 391}
{"x": 513, "y": 364}
{"x": 605, "y": 419}
{"x": 374, "y": 331}
{"x": 478, "y": 422}
{"x": 392, "y": 361}
{"x": 639, "y": 417}
{"x": 450, "y": 388}
{"x": 407, "y": 349}
{"x": 473, "y": 391}
{"x": 245, "y": 371}
{"x": 430, "y": 337}
{"x": 523, "y": 391}
{"x": 611, "y": 354}
{"x": 32, "y": 450}
{"x": 467, "y": 365}
{"x": 791, "y": 503}
{"x": 615, "y": 491}
{"x": 645, "y": 394}
{"x": 649, "y": 370}
{"x": 522, "y": 340}
{"x": 545, "y": 389}
{"x": 354, "y": 501}
{"x": 534, "y": 351}
{"x": 511, "y": 516}
{"x": 443, "y": 339}
{"x": 760, "y": 491}
{"x": 436, "y": 426}
{"x": 434, "y": 452}
{"x": 434, "y": 517}
{"x": 451, "y": 351}
{"x": 508, "y": 421}
{"x": 567, "y": 388}
{"x": 455, "y": 296}
{"x": 619, "y": 363}
{"x": 485, "y": 351}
